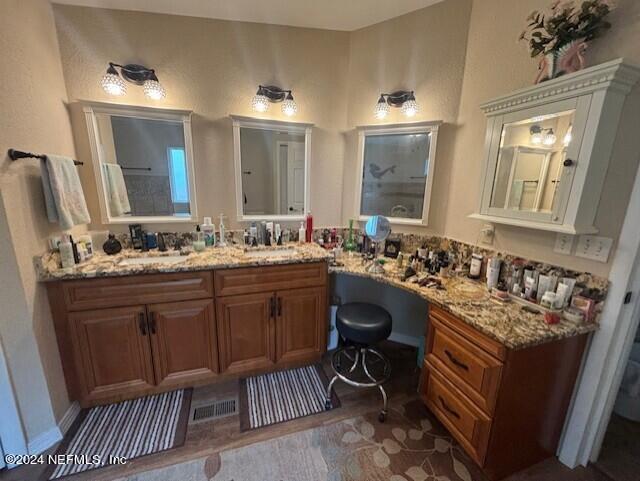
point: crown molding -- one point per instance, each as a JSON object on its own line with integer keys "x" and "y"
{"x": 614, "y": 75}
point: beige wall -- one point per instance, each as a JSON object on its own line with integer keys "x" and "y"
{"x": 422, "y": 51}
{"x": 214, "y": 67}
{"x": 497, "y": 64}
{"x": 33, "y": 118}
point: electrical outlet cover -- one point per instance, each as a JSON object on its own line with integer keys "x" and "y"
{"x": 564, "y": 244}
{"x": 594, "y": 247}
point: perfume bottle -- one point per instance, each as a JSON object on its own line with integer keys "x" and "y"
{"x": 350, "y": 244}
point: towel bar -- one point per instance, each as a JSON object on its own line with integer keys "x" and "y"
{"x": 19, "y": 154}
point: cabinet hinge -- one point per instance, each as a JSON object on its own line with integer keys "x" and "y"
{"x": 627, "y": 298}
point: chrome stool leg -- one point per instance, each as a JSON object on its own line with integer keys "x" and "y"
{"x": 359, "y": 360}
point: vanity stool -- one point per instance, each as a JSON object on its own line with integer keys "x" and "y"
{"x": 361, "y": 325}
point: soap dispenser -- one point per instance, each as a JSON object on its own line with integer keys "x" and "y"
{"x": 221, "y": 241}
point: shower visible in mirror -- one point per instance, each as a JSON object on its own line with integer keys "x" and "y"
{"x": 377, "y": 229}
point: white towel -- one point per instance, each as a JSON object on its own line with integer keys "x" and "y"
{"x": 117, "y": 195}
{"x": 63, "y": 194}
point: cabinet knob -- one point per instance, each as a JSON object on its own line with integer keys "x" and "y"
{"x": 568, "y": 162}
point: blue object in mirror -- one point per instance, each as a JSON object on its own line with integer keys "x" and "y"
{"x": 377, "y": 228}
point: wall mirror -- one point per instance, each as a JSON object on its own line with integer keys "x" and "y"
{"x": 143, "y": 163}
{"x": 272, "y": 169}
{"x": 396, "y": 171}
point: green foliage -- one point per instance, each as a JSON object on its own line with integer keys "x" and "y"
{"x": 548, "y": 32}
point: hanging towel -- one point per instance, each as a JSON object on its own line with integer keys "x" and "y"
{"x": 117, "y": 195}
{"x": 63, "y": 194}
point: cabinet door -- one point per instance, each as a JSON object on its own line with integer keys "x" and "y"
{"x": 301, "y": 324}
{"x": 112, "y": 351}
{"x": 246, "y": 332}
{"x": 183, "y": 340}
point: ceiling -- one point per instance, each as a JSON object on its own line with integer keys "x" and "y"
{"x": 327, "y": 14}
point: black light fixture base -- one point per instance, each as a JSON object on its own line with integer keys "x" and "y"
{"x": 273, "y": 93}
{"x": 135, "y": 73}
{"x": 399, "y": 97}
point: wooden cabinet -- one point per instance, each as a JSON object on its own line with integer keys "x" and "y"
{"x": 112, "y": 351}
{"x": 183, "y": 341}
{"x": 246, "y": 332}
{"x": 492, "y": 398}
{"x": 124, "y": 337}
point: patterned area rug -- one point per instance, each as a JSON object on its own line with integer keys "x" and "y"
{"x": 410, "y": 446}
{"x": 282, "y": 396}
{"x": 126, "y": 430}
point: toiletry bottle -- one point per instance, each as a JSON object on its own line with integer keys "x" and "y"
{"x": 66, "y": 252}
{"x": 493, "y": 272}
{"x": 476, "y": 266}
{"x": 221, "y": 241}
{"x": 302, "y": 233}
{"x": 278, "y": 235}
{"x": 198, "y": 240}
{"x": 253, "y": 232}
{"x": 74, "y": 249}
{"x": 350, "y": 244}
{"x": 209, "y": 231}
{"x": 309, "y": 228}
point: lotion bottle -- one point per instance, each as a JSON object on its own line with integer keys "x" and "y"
{"x": 66, "y": 252}
{"x": 209, "y": 231}
{"x": 302, "y": 233}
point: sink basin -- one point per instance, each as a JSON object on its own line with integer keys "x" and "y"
{"x": 141, "y": 261}
{"x": 267, "y": 253}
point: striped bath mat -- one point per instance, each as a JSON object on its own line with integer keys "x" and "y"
{"x": 282, "y": 396}
{"x": 111, "y": 434}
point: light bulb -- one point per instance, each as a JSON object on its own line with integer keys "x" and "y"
{"x": 382, "y": 109}
{"x": 410, "y": 108}
{"x": 549, "y": 138}
{"x": 289, "y": 106}
{"x": 153, "y": 89}
{"x": 536, "y": 138}
{"x": 113, "y": 84}
{"x": 259, "y": 103}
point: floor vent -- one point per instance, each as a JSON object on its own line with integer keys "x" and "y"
{"x": 214, "y": 410}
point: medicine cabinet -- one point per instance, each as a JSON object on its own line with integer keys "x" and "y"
{"x": 271, "y": 168}
{"x": 547, "y": 149}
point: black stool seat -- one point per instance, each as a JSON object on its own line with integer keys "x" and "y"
{"x": 363, "y": 323}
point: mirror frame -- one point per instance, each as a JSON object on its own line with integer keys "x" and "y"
{"x": 92, "y": 109}
{"x": 365, "y": 131}
{"x": 240, "y": 121}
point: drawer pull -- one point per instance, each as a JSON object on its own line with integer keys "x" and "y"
{"x": 279, "y": 306}
{"x": 272, "y": 306}
{"x": 448, "y": 409}
{"x": 453, "y": 359}
{"x": 152, "y": 323}
{"x": 142, "y": 324}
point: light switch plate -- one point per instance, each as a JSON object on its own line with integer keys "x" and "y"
{"x": 564, "y": 244}
{"x": 594, "y": 247}
{"x": 487, "y": 233}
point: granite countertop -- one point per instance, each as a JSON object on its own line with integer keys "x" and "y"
{"x": 506, "y": 322}
{"x": 101, "y": 265}
{"x": 468, "y": 300}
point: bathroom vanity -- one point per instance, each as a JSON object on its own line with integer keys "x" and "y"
{"x": 128, "y": 336}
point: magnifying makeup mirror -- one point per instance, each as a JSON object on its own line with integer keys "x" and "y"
{"x": 377, "y": 229}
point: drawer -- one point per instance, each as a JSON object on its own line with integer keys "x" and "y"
{"x": 468, "y": 424}
{"x": 134, "y": 290}
{"x": 470, "y": 368}
{"x": 249, "y": 280}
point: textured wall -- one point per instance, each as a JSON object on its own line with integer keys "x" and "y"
{"x": 497, "y": 64}
{"x": 213, "y": 67}
{"x": 33, "y": 118}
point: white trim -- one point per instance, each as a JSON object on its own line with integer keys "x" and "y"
{"x": 405, "y": 339}
{"x": 610, "y": 347}
{"x": 430, "y": 127}
{"x": 305, "y": 129}
{"x": 12, "y": 433}
{"x": 565, "y": 229}
{"x": 69, "y": 417}
{"x": 90, "y": 110}
{"x": 45, "y": 440}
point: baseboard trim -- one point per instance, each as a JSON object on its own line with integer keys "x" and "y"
{"x": 69, "y": 417}
{"x": 44, "y": 441}
{"x": 404, "y": 339}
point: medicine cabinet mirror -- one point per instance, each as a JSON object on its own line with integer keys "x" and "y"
{"x": 396, "y": 165}
{"x": 143, "y": 163}
{"x": 548, "y": 146}
{"x": 272, "y": 168}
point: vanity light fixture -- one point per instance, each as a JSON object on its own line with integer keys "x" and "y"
{"x": 535, "y": 133}
{"x": 112, "y": 81}
{"x": 549, "y": 138}
{"x": 404, "y": 99}
{"x": 270, "y": 94}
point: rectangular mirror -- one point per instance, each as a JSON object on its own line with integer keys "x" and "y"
{"x": 143, "y": 163}
{"x": 396, "y": 171}
{"x": 272, "y": 168}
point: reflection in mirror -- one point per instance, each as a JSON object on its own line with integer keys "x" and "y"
{"x": 272, "y": 168}
{"x": 142, "y": 160}
{"x": 530, "y": 161}
{"x": 394, "y": 176}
